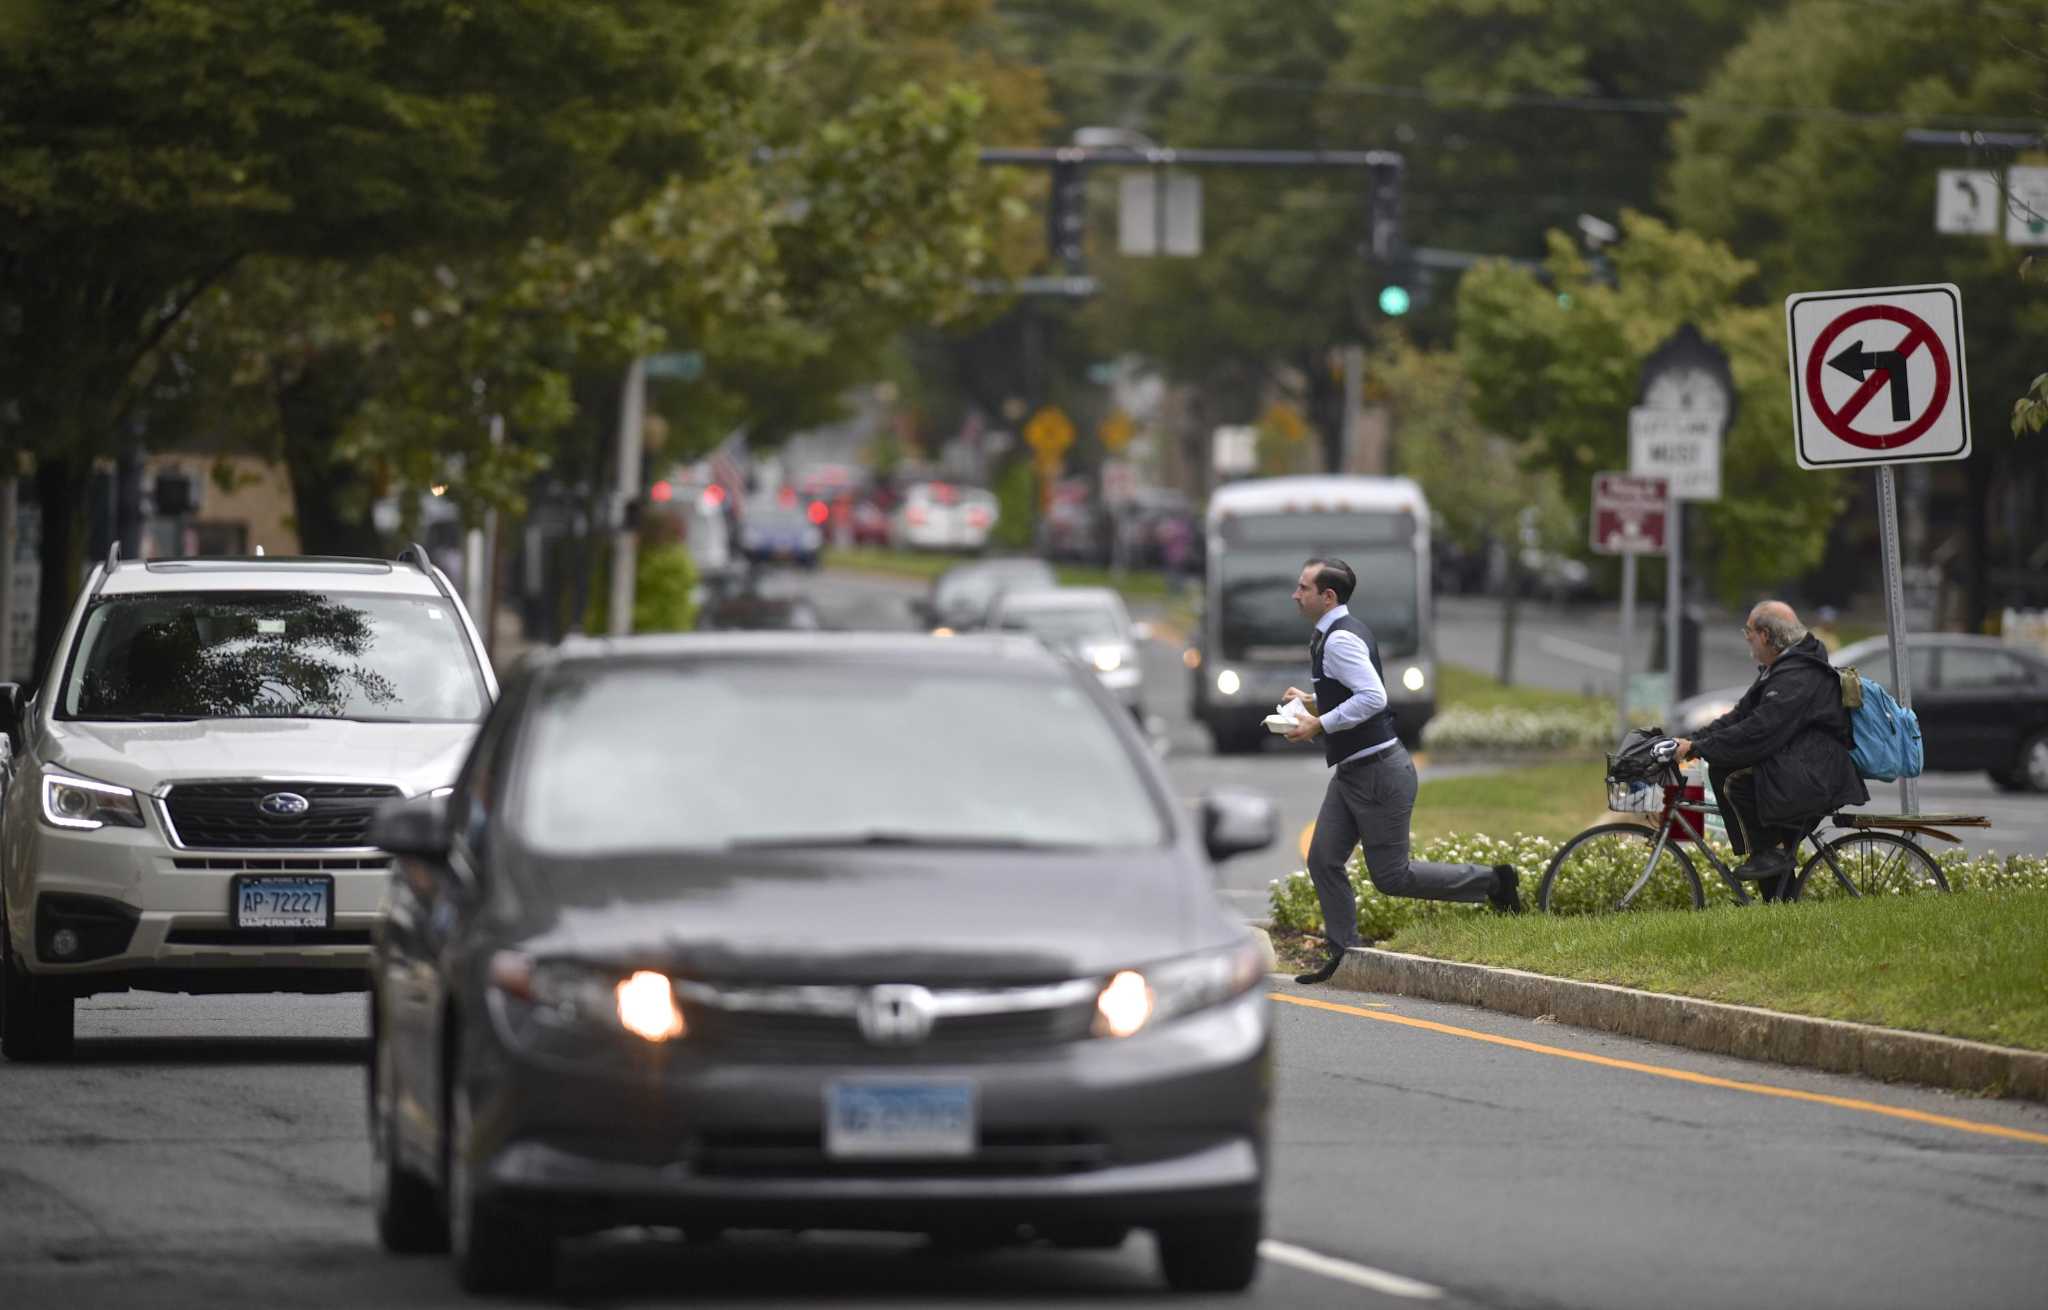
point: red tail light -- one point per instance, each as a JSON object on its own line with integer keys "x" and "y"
{"x": 915, "y": 515}
{"x": 818, "y": 512}
{"x": 977, "y": 518}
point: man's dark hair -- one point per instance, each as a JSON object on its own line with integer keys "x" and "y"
{"x": 1334, "y": 575}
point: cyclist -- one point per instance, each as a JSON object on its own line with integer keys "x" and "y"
{"x": 1780, "y": 758}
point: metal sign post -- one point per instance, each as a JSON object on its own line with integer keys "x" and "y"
{"x": 1631, "y": 516}
{"x": 1895, "y": 611}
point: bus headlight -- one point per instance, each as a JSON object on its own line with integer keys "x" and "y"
{"x": 1227, "y": 682}
{"x": 1413, "y": 679}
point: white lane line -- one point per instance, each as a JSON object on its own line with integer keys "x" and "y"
{"x": 1605, "y": 660}
{"x": 1344, "y": 1271}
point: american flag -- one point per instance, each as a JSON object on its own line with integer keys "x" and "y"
{"x": 728, "y": 462}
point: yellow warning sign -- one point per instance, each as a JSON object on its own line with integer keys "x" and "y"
{"x": 1049, "y": 432}
{"x": 1116, "y": 431}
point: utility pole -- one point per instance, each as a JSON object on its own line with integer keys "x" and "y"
{"x": 626, "y": 532}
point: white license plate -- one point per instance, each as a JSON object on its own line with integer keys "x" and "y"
{"x": 283, "y": 901}
{"x": 869, "y": 1118}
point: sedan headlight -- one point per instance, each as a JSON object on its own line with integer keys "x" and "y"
{"x": 82, "y": 804}
{"x": 545, "y": 999}
{"x": 1135, "y": 999}
{"x": 1228, "y": 682}
{"x": 1414, "y": 679}
{"x": 1107, "y": 659}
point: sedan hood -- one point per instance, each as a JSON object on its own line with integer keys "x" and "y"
{"x": 894, "y": 915}
{"x": 148, "y": 756}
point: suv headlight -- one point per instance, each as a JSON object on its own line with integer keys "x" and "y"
{"x": 546, "y": 1001}
{"x": 82, "y": 804}
{"x": 1135, "y": 999}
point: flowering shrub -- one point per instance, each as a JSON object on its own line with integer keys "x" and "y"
{"x": 1601, "y": 872}
{"x": 1459, "y": 728}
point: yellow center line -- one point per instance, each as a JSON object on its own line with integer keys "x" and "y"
{"x": 1679, "y": 1075}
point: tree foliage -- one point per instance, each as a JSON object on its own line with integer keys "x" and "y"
{"x": 1558, "y": 367}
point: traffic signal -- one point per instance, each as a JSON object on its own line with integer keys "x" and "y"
{"x": 1066, "y": 215}
{"x": 1394, "y": 300}
{"x": 1384, "y": 243}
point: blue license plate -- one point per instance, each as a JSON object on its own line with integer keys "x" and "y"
{"x": 926, "y": 1117}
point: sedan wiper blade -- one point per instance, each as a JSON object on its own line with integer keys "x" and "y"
{"x": 894, "y": 837}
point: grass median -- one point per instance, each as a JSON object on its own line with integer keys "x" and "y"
{"x": 1971, "y": 965}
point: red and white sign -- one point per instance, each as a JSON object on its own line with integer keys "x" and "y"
{"x": 1628, "y": 513}
{"x": 1878, "y": 376}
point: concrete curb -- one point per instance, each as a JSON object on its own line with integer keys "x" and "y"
{"x": 1739, "y": 1030}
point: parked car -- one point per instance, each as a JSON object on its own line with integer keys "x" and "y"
{"x": 960, "y": 597}
{"x": 944, "y": 516}
{"x": 1982, "y": 703}
{"x": 193, "y": 785}
{"x": 775, "y": 530}
{"x": 1088, "y": 624}
{"x": 977, "y": 984}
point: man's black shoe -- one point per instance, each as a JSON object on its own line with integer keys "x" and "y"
{"x": 1765, "y": 864}
{"x": 1506, "y": 895}
{"x": 1327, "y": 971}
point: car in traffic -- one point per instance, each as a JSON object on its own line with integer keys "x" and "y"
{"x": 192, "y": 786}
{"x": 960, "y": 598}
{"x": 1982, "y": 702}
{"x": 981, "y": 988}
{"x": 944, "y": 516}
{"x": 1088, "y": 624}
{"x": 778, "y": 530}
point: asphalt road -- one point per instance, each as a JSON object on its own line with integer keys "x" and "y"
{"x": 210, "y": 1152}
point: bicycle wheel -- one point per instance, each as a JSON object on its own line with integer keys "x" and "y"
{"x": 1875, "y": 863}
{"x": 1607, "y": 868}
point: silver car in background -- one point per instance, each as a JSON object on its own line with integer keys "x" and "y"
{"x": 1091, "y": 625}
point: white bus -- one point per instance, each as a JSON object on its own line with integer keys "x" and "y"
{"x": 1254, "y": 643}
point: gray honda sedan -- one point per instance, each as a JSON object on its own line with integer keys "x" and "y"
{"x": 814, "y": 931}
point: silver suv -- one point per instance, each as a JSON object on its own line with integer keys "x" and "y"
{"x": 189, "y": 791}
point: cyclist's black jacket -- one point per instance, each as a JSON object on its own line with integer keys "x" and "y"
{"x": 1790, "y": 725}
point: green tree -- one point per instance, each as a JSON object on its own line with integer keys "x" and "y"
{"x": 1794, "y": 154}
{"x": 1557, "y": 367}
{"x": 147, "y": 148}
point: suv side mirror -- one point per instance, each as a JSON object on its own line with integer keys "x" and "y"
{"x": 1234, "y": 822}
{"x": 417, "y": 826}
{"x": 921, "y": 610}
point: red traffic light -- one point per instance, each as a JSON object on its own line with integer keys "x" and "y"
{"x": 661, "y": 492}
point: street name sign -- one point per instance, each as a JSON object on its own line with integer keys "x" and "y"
{"x": 1878, "y": 376}
{"x": 1682, "y": 446}
{"x": 1966, "y": 202}
{"x": 1628, "y": 514}
{"x": 2026, "y": 205}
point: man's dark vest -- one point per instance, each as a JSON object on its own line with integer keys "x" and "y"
{"x": 1330, "y": 693}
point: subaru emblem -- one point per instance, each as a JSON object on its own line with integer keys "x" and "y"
{"x": 284, "y": 804}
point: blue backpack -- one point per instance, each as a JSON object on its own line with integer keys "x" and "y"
{"x": 1887, "y": 734}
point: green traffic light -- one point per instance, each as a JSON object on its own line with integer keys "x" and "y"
{"x": 1393, "y": 301}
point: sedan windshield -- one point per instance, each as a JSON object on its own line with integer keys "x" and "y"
{"x": 273, "y": 654}
{"x": 1066, "y": 623}
{"x": 718, "y": 754}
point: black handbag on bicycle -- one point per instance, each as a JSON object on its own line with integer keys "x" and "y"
{"x": 1636, "y": 760}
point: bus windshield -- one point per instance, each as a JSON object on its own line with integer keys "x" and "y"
{"x": 1263, "y": 555}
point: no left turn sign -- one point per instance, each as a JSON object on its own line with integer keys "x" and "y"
{"x": 1878, "y": 376}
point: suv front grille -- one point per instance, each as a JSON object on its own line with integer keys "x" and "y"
{"x": 228, "y": 814}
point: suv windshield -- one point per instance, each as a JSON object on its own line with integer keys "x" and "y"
{"x": 273, "y": 654}
{"x": 781, "y": 751}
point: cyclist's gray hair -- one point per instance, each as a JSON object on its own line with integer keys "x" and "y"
{"x": 1777, "y": 622}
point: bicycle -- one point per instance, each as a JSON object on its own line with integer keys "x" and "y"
{"x": 1629, "y": 865}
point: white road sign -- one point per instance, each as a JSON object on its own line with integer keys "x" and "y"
{"x": 1967, "y": 202}
{"x": 1878, "y": 376}
{"x": 2026, "y": 205}
{"x": 1682, "y": 446}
